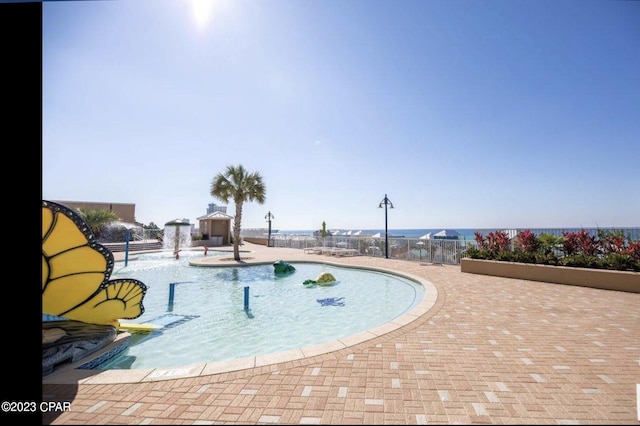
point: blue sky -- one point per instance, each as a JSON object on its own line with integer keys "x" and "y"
{"x": 468, "y": 114}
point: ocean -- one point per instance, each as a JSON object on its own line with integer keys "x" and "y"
{"x": 467, "y": 233}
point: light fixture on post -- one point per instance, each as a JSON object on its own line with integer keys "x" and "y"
{"x": 269, "y": 216}
{"x": 389, "y": 204}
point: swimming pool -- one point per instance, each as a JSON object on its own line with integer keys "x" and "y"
{"x": 203, "y": 318}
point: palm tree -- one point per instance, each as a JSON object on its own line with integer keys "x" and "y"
{"x": 97, "y": 220}
{"x": 240, "y": 186}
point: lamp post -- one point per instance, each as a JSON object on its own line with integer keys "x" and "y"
{"x": 387, "y": 203}
{"x": 269, "y": 216}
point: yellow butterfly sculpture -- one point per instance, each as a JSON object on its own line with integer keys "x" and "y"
{"x": 76, "y": 271}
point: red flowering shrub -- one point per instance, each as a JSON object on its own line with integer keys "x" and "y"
{"x": 580, "y": 242}
{"x": 496, "y": 245}
{"x": 498, "y": 242}
{"x": 607, "y": 250}
{"x": 527, "y": 241}
{"x": 612, "y": 244}
{"x": 633, "y": 250}
{"x": 481, "y": 240}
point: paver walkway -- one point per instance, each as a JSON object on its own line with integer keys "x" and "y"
{"x": 491, "y": 350}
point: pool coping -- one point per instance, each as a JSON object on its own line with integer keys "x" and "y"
{"x": 72, "y": 374}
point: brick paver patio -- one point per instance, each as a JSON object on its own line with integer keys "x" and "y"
{"x": 491, "y": 350}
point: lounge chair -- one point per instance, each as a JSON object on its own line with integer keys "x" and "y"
{"x": 344, "y": 252}
{"x": 313, "y": 250}
{"x": 327, "y": 250}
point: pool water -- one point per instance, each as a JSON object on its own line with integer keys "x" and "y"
{"x": 207, "y": 321}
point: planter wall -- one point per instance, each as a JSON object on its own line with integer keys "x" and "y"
{"x": 585, "y": 277}
{"x": 255, "y": 240}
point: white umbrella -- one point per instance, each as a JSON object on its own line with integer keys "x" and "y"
{"x": 426, "y": 236}
{"x": 376, "y": 235}
{"x": 447, "y": 233}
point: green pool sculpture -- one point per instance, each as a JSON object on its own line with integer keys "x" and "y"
{"x": 281, "y": 268}
{"x": 324, "y": 279}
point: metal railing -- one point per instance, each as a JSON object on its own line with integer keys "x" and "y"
{"x": 434, "y": 251}
{"x": 440, "y": 251}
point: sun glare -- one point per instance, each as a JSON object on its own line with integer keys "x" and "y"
{"x": 202, "y": 10}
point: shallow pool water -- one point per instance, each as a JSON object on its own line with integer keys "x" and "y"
{"x": 207, "y": 321}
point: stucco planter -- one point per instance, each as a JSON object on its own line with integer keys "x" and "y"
{"x": 585, "y": 277}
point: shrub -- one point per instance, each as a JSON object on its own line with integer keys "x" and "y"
{"x": 506, "y": 256}
{"x": 481, "y": 240}
{"x": 581, "y": 260}
{"x": 550, "y": 244}
{"x": 606, "y": 250}
{"x": 476, "y": 253}
{"x": 612, "y": 241}
{"x": 633, "y": 250}
{"x": 580, "y": 242}
{"x": 527, "y": 242}
{"x": 620, "y": 262}
{"x": 525, "y": 257}
{"x": 498, "y": 242}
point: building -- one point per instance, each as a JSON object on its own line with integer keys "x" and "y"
{"x": 125, "y": 211}
{"x": 214, "y": 208}
{"x": 215, "y": 228}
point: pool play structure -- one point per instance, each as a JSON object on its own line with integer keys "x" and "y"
{"x": 197, "y": 314}
{"x": 177, "y": 233}
{"x": 77, "y": 289}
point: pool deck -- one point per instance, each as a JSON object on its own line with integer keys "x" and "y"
{"x": 478, "y": 350}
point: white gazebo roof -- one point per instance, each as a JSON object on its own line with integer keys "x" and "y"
{"x": 216, "y": 215}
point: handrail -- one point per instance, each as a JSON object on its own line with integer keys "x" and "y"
{"x": 445, "y": 251}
